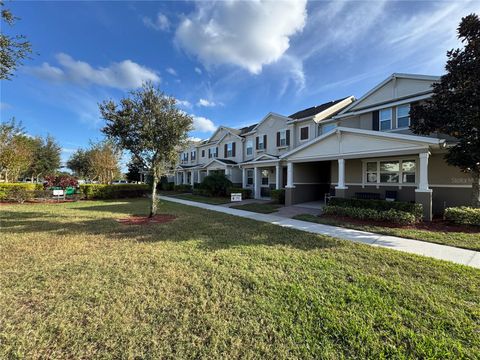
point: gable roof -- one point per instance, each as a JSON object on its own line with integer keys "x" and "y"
{"x": 314, "y": 110}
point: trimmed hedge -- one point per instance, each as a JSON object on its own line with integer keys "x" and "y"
{"x": 182, "y": 188}
{"x": 463, "y": 215}
{"x": 391, "y": 215}
{"x": 246, "y": 193}
{"x": 115, "y": 191}
{"x": 166, "y": 186}
{"x": 380, "y": 205}
{"x": 278, "y": 196}
{"x": 9, "y": 191}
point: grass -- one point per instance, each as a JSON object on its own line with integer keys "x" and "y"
{"x": 466, "y": 240}
{"x": 258, "y": 207}
{"x": 76, "y": 284}
{"x": 213, "y": 200}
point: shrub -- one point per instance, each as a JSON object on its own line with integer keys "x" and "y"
{"x": 6, "y": 190}
{"x": 167, "y": 186}
{"x": 216, "y": 184}
{"x": 105, "y": 191}
{"x": 380, "y": 205}
{"x": 62, "y": 181}
{"x": 391, "y": 215}
{"x": 20, "y": 195}
{"x": 278, "y": 196}
{"x": 463, "y": 215}
{"x": 246, "y": 193}
{"x": 182, "y": 188}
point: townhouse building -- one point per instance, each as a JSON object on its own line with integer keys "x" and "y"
{"x": 348, "y": 148}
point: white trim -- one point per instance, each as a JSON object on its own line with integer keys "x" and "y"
{"x": 380, "y": 119}
{"x": 254, "y": 130}
{"x": 280, "y": 131}
{"x": 396, "y": 117}
{"x": 325, "y": 113}
{"x": 400, "y": 160}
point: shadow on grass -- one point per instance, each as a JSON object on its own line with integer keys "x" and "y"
{"x": 211, "y": 230}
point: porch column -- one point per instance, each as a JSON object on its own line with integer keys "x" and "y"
{"x": 185, "y": 178}
{"x": 192, "y": 178}
{"x": 228, "y": 173}
{"x": 423, "y": 194}
{"x": 208, "y": 172}
{"x": 278, "y": 175}
{"x": 198, "y": 176}
{"x": 289, "y": 188}
{"x": 244, "y": 178}
{"x": 340, "y": 188}
{"x": 256, "y": 179}
{"x": 290, "y": 175}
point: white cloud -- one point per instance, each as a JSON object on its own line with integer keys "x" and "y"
{"x": 161, "y": 23}
{"x": 198, "y": 70}
{"x": 243, "y": 33}
{"x": 122, "y": 75}
{"x": 203, "y": 124}
{"x": 194, "y": 139}
{"x": 206, "y": 103}
{"x": 68, "y": 150}
{"x": 4, "y": 106}
{"x": 171, "y": 71}
{"x": 184, "y": 103}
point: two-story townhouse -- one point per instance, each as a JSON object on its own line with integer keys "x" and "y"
{"x": 368, "y": 150}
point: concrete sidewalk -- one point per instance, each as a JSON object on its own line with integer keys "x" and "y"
{"x": 441, "y": 252}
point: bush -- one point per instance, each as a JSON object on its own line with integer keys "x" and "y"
{"x": 391, "y": 215}
{"x": 117, "y": 191}
{"x": 182, "y": 188}
{"x": 278, "y": 196}
{"x": 167, "y": 186}
{"x": 246, "y": 193}
{"x": 8, "y": 191}
{"x": 216, "y": 184}
{"x": 463, "y": 215}
{"x": 379, "y": 205}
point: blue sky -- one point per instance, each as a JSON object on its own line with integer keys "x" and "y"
{"x": 228, "y": 63}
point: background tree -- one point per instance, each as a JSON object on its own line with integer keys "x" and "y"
{"x": 104, "y": 162}
{"x": 46, "y": 158}
{"x": 454, "y": 108}
{"x": 79, "y": 164}
{"x": 136, "y": 170}
{"x": 150, "y": 126}
{"x": 13, "y": 48}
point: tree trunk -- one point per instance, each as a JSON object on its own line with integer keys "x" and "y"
{"x": 153, "y": 206}
{"x": 476, "y": 189}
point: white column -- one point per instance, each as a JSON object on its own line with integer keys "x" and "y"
{"x": 244, "y": 178}
{"x": 256, "y": 180}
{"x": 192, "y": 178}
{"x": 341, "y": 174}
{"x": 185, "y": 178}
{"x": 228, "y": 173}
{"x": 198, "y": 176}
{"x": 423, "y": 172}
{"x": 278, "y": 175}
{"x": 290, "y": 175}
{"x": 208, "y": 172}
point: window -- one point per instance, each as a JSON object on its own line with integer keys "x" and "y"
{"x": 229, "y": 152}
{"x": 249, "y": 147}
{"x": 282, "y": 138}
{"x": 408, "y": 171}
{"x": 264, "y": 177}
{"x": 327, "y": 128}
{"x": 184, "y": 157}
{"x": 250, "y": 176}
{"x": 389, "y": 171}
{"x": 203, "y": 153}
{"x": 304, "y": 133}
{"x": 372, "y": 172}
{"x": 403, "y": 116}
{"x": 193, "y": 155}
{"x": 212, "y": 152}
{"x": 261, "y": 142}
{"x": 386, "y": 119}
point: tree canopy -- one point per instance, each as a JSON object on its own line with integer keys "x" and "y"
{"x": 454, "y": 108}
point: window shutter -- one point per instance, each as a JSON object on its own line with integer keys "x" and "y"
{"x": 288, "y": 137}
{"x": 278, "y": 138}
{"x": 216, "y": 151}
{"x": 187, "y": 156}
{"x": 265, "y": 142}
{"x": 225, "y": 150}
{"x": 233, "y": 149}
{"x": 203, "y": 153}
{"x": 256, "y": 143}
{"x": 376, "y": 120}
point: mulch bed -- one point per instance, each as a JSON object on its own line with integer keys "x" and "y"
{"x": 436, "y": 225}
{"x": 145, "y": 220}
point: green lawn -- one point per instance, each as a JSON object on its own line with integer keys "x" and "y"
{"x": 466, "y": 240}
{"x": 204, "y": 199}
{"x": 77, "y": 284}
{"x": 258, "y": 207}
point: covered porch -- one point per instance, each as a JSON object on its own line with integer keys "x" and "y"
{"x": 362, "y": 164}
{"x": 263, "y": 174}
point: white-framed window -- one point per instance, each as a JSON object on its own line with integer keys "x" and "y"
{"x": 261, "y": 142}
{"x": 249, "y": 147}
{"x": 212, "y": 152}
{"x": 385, "y": 116}
{"x": 229, "y": 149}
{"x": 250, "y": 177}
{"x": 184, "y": 157}
{"x": 403, "y": 116}
{"x": 327, "y": 128}
{"x": 193, "y": 154}
{"x": 304, "y": 133}
{"x": 283, "y": 138}
{"x": 264, "y": 177}
{"x": 390, "y": 171}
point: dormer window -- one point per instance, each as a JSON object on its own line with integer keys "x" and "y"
{"x": 403, "y": 116}
{"x": 385, "y": 119}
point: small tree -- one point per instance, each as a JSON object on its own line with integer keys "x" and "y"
{"x": 454, "y": 108}
{"x": 136, "y": 170}
{"x": 104, "y": 162}
{"x": 79, "y": 163}
{"x": 46, "y": 158}
{"x": 150, "y": 126}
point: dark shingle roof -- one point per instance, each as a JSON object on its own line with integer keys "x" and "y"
{"x": 225, "y": 161}
{"x": 314, "y": 110}
{"x": 247, "y": 129}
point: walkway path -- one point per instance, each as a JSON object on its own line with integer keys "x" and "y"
{"x": 442, "y": 252}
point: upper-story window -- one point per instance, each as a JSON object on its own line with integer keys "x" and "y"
{"x": 327, "y": 128}
{"x": 385, "y": 119}
{"x": 249, "y": 147}
{"x": 403, "y": 116}
{"x": 203, "y": 153}
{"x": 193, "y": 155}
{"x": 213, "y": 152}
{"x": 230, "y": 149}
{"x": 184, "y": 157}
{"x": 282, "y": 138}
{"x": 304, "y": 133}
{"x": 261, "y": 142}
